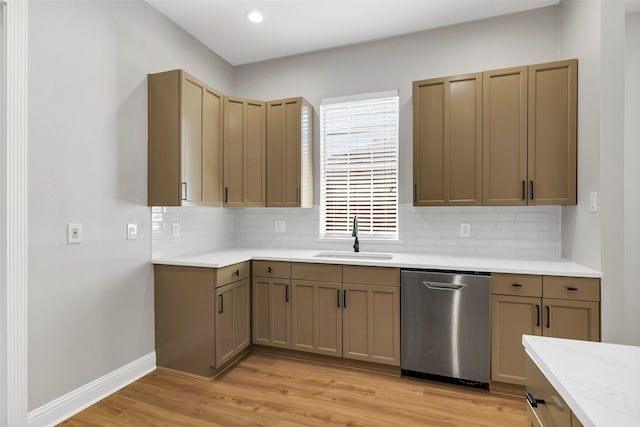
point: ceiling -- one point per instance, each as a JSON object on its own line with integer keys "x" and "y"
{"x": 292, "y": 27}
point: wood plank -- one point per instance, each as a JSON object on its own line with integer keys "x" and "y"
{"x": 263, "y": 390}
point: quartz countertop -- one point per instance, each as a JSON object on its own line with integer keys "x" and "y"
{"x": 599, "y": 381}
{"x": 551, "y": 267}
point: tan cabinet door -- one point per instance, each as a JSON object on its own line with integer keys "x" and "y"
{"x": 578, "y": 320}
{"x": 553, "y": 101}
{"x": 512, "y": 317}
{"x": 316, "y": 324}
{"x": 371, "y": 323}
{"x": 212, "y": 160}
{"x": 244, "y": 153}
{"x": 532, "y": 418}
{"x": 504, "y": 136}
{"x": 271, "y": 312}
{"x": 185, "y": 141}
{"x": 283, "y": 152}
{"x": 241, "y": 315}
{"x": 447, "y": 141}
{"x": 225, "y": 348}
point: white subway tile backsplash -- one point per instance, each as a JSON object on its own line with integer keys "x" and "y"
{"x": 508, "y": 231}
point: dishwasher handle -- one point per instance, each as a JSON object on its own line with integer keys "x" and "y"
{"x": 440, "y": 286}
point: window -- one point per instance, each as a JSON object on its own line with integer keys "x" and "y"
{"x": 359, "y": 165}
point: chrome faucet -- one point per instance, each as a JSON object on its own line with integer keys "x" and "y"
{"x": 354, "y": 233}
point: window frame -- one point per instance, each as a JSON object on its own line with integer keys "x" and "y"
{"x": 391, "y": 134}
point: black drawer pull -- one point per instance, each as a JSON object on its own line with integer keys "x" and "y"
{"x": 531, "y": 193}
{"x": 537, "y": 315}
{"x": 548, "y": 317}
{"x": 226, "y": 194}
{"x": 571, "y": 288}
{"x": 237, "y": 273}
{"x": 221, "y": 309}
{"x": 516, "y": 285}
{"x": 269, "y": 269}
{"x": 533, "y": 401}
{"x": 344, "y": 298}
{"x": 286, "y": 293}
{"x": 338, "y": 293}
{"x": 524, "y": 191}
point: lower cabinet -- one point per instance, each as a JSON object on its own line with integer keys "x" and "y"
{"x": 371, "y": 323}
{"x": 560, "y": 307}
{"x": 316, "y": 317}
{"x": 201, "y": 316}
{"x": 343, "y": 311}
{"x": 232, "y": 320}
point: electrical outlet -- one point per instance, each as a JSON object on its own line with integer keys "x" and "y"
{"x": 465, "y": 230}
{"x": 132, "y": 231}
{"x": 74, "y": 233}
{"x": 281, "y": 226}
{"x": 175, "y": 229}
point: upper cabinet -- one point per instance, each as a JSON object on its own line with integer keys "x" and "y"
{"x": 289, "y": 153}
{"x": 553, "y": 104}
{"x": 447, "y": 144}
{"x": 185, "y": 141}
{"x": 504, "y": 130}
{"x": 527, "y": 148}
{"x": 245, "y": 152}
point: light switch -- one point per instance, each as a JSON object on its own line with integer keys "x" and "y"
{"x": 74, "y": 233}
{"x": 593, "y": 201}
{"x": 132, "y": 231}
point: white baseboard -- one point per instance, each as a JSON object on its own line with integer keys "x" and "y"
{"x": 81, "y": 398}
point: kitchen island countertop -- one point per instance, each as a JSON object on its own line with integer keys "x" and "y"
{"x": 551, "y": 267}
{"x": 599, "y": 381}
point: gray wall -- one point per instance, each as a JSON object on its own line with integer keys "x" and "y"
{"x": 523, "y": 38}
{"x": 632, "y": 178}
{"x": 91, "y": 305}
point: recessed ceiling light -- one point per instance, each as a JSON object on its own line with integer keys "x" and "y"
{"x": 255, "y": 16}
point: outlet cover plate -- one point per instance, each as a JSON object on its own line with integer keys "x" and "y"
{"x": 74, "y": 233}
{"x": 280, "y": 226}
{"x": 465, "y": 230}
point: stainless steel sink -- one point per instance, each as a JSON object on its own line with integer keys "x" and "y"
{"x": 354, "y": 255}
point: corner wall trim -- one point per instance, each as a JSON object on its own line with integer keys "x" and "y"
{"x": 81, "y": 398}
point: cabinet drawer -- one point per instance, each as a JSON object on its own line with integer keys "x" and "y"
{"x": 281, "y": 269}
{"x": 232, "y": 273}
{"x": 576, "y": 288}
{"x": 319, "y": 272}
{"x": 516, "y": 284}
{"x": 555, "y": 411}
{"x": 359, "y": 274}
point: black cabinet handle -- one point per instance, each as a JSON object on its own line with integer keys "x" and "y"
{"x": 226, "y": 194}
{"x": 221, "y": 309}
{"x": 533, "y": 401}
{"x": 338, "y": 293}
{"x": 548, "y": 317}
{"x": 344, "y": 298}
{"x": 531, "y": 193}
{"x": 298, "y": 195}
{"x": 184, "y": 191}
{"x": 537, "y": 315}
{"x": 516, "y": 285}
{"x": 269, "y": 269}
{"x": 524, "y": 189}
{"x": 237, "y": 273}
{"x": 286, "y": 293}
{"x": 415, "y": 192}
{"x": 571, "y": 288}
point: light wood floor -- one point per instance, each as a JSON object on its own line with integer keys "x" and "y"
{"x": 269, "y": 391}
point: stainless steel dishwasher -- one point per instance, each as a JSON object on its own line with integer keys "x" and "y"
{"x": 445, "y": 322}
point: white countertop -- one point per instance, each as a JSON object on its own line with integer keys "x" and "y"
{"x": 553, "y": 267}
{"x": 599, "y": 381}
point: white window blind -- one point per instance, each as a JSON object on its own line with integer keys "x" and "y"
{"x": 359, "y": 166}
